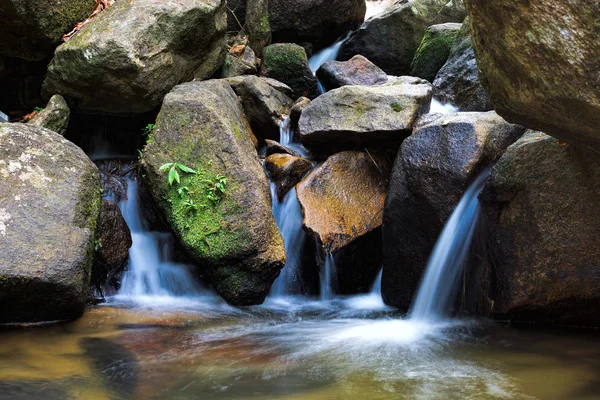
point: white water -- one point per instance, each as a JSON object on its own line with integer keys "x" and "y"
{"x": 327, "y": 279}
{"x": 376, "y": 7}
{"x": 328, "y": 54}
{"x": 286, "y": 138}
{"x": 439, "y": 285}
{"x": 369, "y": 301}
{"x": 438, "y": 108}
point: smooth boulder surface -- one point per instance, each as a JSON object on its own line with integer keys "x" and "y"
{"x": 287, "y": 63}
{"x": 129, "y": 57}
{"x": 356, "y": 71}
{"x": 342, "y": 203}
{"x": 55, "y": 116}
{"x": 273, "y": 147}
{"x": 49, "y": 203}
{"x": 433, "y": 169}
{"x": 358, "y": 116}
{"x": 234, "y": 237}
{"x": 31, "y": 29}
{"x": 457, "y": 82}
{"x": 542, "y": 200}
{"x": 539, "y": 62}
{"x": 286, "y": 171}
{"x": 319, "y": 22}
{"x": 391, "y": 39}
{"x": 434, "y": 50}
{"x": 265, "y": 107}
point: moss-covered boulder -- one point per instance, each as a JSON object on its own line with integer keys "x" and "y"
{"x": 542, "y": 200}
{"x": 287, "y": 63}
{"x": 32, "y": 29}
{"x": 342, "y": 203}
{"x": 356, "y": 71}
{"x": 286, "y": 171}
{"x": 222, "y": 214}
{"x": 55, "y": 116}
{"x": 434, "y": 50}
{"x": 128, "y": 58}
{"x": 391, "y": 38}
{"x": 433, "y": 169}
{"x": 49, "y": 203}
{"x": 539, "y": 63}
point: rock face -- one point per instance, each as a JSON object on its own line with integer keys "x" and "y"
{"x": 265, "y": 107}
{"x": 287, "y": 63}
{"x": 49, "y": 205}
{"x": 286, "y": 171}
{"x": 457, "y": 82}
{"x": 434, "y": 167}
{"x": 355, "y": 116}
{"x": 391, "y": 39}
{"x": 434, "y": 50}
{"x": 296, "y": 111}
{"x": 230, "y": 233}
{"x": 32, "y": 29}
{"x": 55, "y": 116}
{"x": 129, "y": 57}
{"x": 538, "y": 64}
{"x": 543, "y": 245}
{"x": 319, "y": 22}
{"x": 273, "y": 147}
{"x": 245, "y": 64}
{"x": 342, "y": 202}
{"x": 356, "y": 71}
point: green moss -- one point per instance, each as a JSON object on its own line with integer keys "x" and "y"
{"x": 397, "y": 107}
{"x": 432, "y": 53}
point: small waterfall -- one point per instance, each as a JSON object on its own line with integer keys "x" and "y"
{"x": 328, "y": 279}
{"x": 328, "y": 54}
{"x": 287, "y": 138}
{"x": 438, "y": 108}
{"x": 439, "y": 285}
{"x": 376, "y": 7}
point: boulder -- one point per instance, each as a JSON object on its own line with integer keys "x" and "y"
{"x": 49, "y": 203}
{"x": 244, "y": 64}
{"x": 287, "y": 63}
{"x": 286, "y": 171}
{"x": 538, "y": 62}
{"x": 319, "y": 22}
{"x": 359, "y": 116}
{"x": 273, "y": 147}
{"x": 457, "y": 82}
{"x": 356, "y": 71}
{"x": 265, "y": 107}
{"x": 391, "y": 38}
{"x": 541, "y": 200}
{"x": 127, "y": 59}
{"x": 342, "y": 203}
{"x": 55, "y": 116}
{"x": 296, "y": 111}
{"x": 434, "y": 50}
{"x": 222, "y": 216}
{"x": 31, "y": 29}
{"x": 279, "y": 86}
{"x": 433, "y": 169}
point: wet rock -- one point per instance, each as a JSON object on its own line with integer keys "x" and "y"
{"x": 279, "y": 86}
{"x": 273, "y": 147}
{"x": 434, "y": 167}
{"x": 357, "y": 116}
{"x": 296, "y": 111}
{"x": 128, "y": 58}
{"x": 457, "y": 82}
{"x": 356, "y": 71}
{"x": 49, "y": 204}
{"x": 231, "y": 233}
{"x": 265, "y": 107}
{"x": 55, "y": 116}
{"x": 31, "y": 29}
{"x": 287, "y": 63}
{"x": 541, "y": 200}
{"x": 319, "y": 22}
{"x": 286, "y": 171}
{"x": 434, "y": 50}
{"x": 391, "y": 39}
{"x": 342, "y": 202}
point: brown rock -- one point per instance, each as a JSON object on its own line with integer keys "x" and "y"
{"x": 286, "y": 171}
{"x": 274, "y": 147}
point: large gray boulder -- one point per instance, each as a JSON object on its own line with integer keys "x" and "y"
{"x": 128, "y": 58}
{"x": 433, "y": 169}
{"x": 391, "y": 39}
{"x": 49, "y": 203}
{"x": 55, "y": 116}
{"x": 356, "y": 71}
{"x": 223, "y": 218}
{"x": 539, "y": 63}
{"x": 542, "y": 200}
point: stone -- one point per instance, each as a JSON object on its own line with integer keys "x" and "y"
{"x": 457, "y": 82}
{"x": 236, "y": 16}
{"x": 434, "y": 50}
{"x": 231, "y": 234}
{"x": 129, "y": 57}
{"x": 286, "y": 171}
{"x": 356, "y": 71}
{"x": 296, "y": 111}
{"x": 237, "y": 66}
{"x": 279, "y": 86}
{"x": 541, "y": 199}
{"x": 434, "y": 167}
{"x": 273, "y": 147}
{"x": 50, "y": 198}
{"x": 342, "y": 203}
{"x": 287, "y": 63}
{"x": 55, "y": 116}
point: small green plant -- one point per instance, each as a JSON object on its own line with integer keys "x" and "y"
{"x": 397, "y": 107}
{"x": 97, "y": 245}
{"x": 38, "y": 109}
{"x": 216, "y": 188}
{"x": 148, "y": 129}
{"x": 173, "y": 174}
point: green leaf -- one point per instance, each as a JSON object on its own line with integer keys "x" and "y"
{"x": 172, "y": 174}
{"x": 165, "y": 167}
{"x": 187, "y": 169}
{"x": 176, "y": 175}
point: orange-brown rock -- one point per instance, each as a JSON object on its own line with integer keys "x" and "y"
{"x": 286, "y": 171}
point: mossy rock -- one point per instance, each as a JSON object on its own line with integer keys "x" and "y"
{"x": 434, "y": 50}
{"x": 55, "y": 116}
{"x": 287, "y": 63}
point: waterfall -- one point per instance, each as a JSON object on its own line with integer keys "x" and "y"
{"x": 438, "y": 108}
{"x": 328, "y": 54}
{"x": 439, "y": 285}
{"x": 288, "y": 139}
{"x": 328, "y": 279}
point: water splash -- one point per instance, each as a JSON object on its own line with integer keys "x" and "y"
{"x": 376, "y": 7}
{"x": 328, "y": 279}
{"x": 439, "y": 285}
{"x": 288, "y": 138}
{"x": 438, "y": 108}
{"x": 369, "y": 301}
{"x": 328, "y": 54}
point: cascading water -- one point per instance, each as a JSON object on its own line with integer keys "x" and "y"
{"x": 328, "y": 279}
{"x": 439, "y": 285}
{"x": 328, "y": 54}
{"x": 286, "y": 138}
{"x": 438, "y": 108}
{"x": 376, "y": 7}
